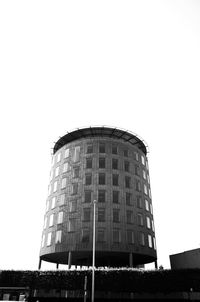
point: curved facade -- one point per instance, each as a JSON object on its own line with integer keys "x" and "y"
{"x": 110, "y": 166}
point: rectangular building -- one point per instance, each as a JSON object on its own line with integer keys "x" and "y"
{"x": 188, "y": 259}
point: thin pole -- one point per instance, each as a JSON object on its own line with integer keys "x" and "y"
{"x": 69, "y": 259}
{"x": 93, "y": 251}
{"x": 40, "y": 263}
{"x": 85, "y": 289}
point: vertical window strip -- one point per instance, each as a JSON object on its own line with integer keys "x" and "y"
{"x": 60, "y": 218}
{"x": 58, "y": 157}
{"x": 58, "y": 236}
{"x": 66, "y": 155}
{"x": 49, "y": 236}
{"x": 51, "y": 220}
{"x": 76, "y": 154}
{"x": 43, "y": 240}
{"x": 53, "y": 203}
{"x": 150, "y": 241}
{"x": 64, "y": 183}
{"x": 66, "y": 167}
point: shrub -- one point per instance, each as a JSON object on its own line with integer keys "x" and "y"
{"x": 118, "y": 280}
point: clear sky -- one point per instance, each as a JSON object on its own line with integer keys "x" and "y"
{"x": 69, "y": 64}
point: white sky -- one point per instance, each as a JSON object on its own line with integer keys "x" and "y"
{"x": 69, "y": 64}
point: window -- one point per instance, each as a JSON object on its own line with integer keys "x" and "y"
{"x": 101, "y": 195}
{"x": 126, "y": 166}
{"x": 128, "y": 198}
{"x": 63, "y": 183}
{"x": 142, "y": 239}
{"x": 149, "y": 193}
{"x": 144, "y": 174}
{"x": 102, "y": 162}
{"x": 51, "y": 175}
{"x": 53, "y": 202}
{"x": 148, "y": 179}
{"x": 140, "y": 220}
{"x": 76, "y": 154}
{"x": 43, "y": 240}
{"x": 147, "y": 166}
{"x": 58, "y": 236}
{"x": 115, "y": 179}
{"x": 146, "y": 205}
{"x": 75, "y": 188}
{"x": 154, "y": 243}
{"x": 130, "y": 236}
{"x": 126, "y": 153}
{"x": 137, "y": 185}
{"x": 139, "y": 202}
{"x": 152, "y": 224}
{"x": 145, "y": 190}
{"x": 89, "y": 149}
{"x": 88, "y": 179}
{"x": 136, "y": 157}
{"x": 116, "y": 236}
{"x": 143, "y": 160}
{"x": 71, "y": 225}
{"x": 89, "y": 163}
{"x": 49, "y": 239}
{"x": 150, "y": 241}
{"x": 53, "y": 160}
{"x": 57, "y": 171}
{"x": 88, "y": 194}
{"x": 115, "y": 215}
{"x": 102, "y": 178}
{"x": 114, "y": 164}
{"x": 66, "y": 155}
{"x": 76, "y": 172}
{"x": 86, "y": 214}
{"x": 85, "y": 236}
{"x": 137, "y": 170}
{"x": 55, "y": 185}
{"x": 58, "y": 157}
{"x": 115, "y": 197}
{"x": 127, "y": 182}
{"x": 129, "y": 216}
{"x": 114, "y": 149}
{"x": 148, "y": 222}
{"x": 45, "y": 223}
{"x": 51, "y": 220}
{"x": 100, "y": 235}
{"x": 102, "y": 148}
{"x": 47, "y": 205}
{"x": 72, "y": 206}
{"x": 151, "y": 209}
{"x": 62, "y": 199}
{"x": 49, "y": 189}
{"x": 65, "y": 167}
{"x": 60, "y": 217}
{"x": 101, "y": 214}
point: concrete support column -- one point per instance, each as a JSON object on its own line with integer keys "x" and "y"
{"x": 69, "y": 260}
{"x": 40, "y": 264}
{"x": 156, "y": 264}
{"x": 130, "y": 259}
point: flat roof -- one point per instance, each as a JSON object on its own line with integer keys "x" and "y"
{"x": 186, "y": 252}
{"x": 110, "y": 132}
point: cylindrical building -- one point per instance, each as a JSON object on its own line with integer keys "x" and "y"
{"x": 108, "y": 165}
